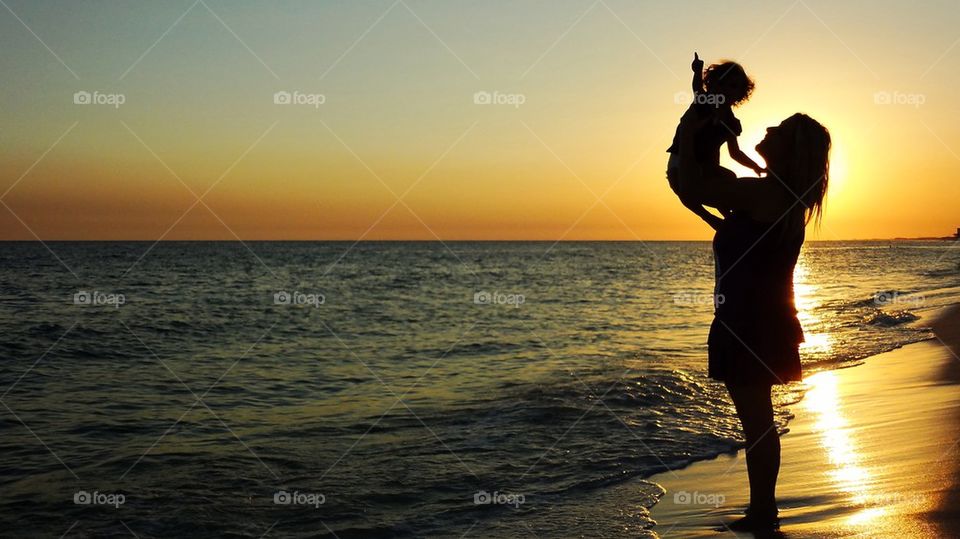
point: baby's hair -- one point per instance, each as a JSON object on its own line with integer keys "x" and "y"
{"x": 732, "y": 72}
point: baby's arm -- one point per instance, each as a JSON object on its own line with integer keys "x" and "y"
{"x": 737, "y": 155}
{"x": 697, "y": 67}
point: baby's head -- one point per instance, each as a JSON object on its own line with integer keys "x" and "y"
{"x": 728, "y": 78}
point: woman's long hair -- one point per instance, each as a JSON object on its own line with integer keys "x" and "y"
{"x": 806, "y": 168}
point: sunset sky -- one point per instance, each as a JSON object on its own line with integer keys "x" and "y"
{"x": 576, "y": 151}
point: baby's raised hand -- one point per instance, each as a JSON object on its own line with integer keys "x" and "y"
{"x": 697, "y": 64}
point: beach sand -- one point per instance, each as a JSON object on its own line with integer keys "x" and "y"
{"x": 872, "y": 452}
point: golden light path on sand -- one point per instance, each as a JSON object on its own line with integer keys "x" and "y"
{"x": 835, "y": 432}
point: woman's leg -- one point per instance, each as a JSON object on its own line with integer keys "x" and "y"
{"x": 755, "y": 410}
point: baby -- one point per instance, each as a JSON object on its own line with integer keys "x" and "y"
{"x": 715, "y": 92}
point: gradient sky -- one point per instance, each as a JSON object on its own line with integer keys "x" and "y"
{"x": 599, "y": 81}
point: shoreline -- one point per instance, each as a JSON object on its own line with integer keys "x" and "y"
{"x": 866, "y": 453}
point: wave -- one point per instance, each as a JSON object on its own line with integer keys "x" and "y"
{"x": 891, "y": 319}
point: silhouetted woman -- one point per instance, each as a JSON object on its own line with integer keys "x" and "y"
{"x": 755, "y": 335}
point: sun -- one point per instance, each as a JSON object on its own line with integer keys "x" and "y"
{"x": 838, "y": 165}
{"x": 753, "y": 135}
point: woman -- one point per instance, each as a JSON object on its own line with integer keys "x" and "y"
{"x": 755, "y": 335}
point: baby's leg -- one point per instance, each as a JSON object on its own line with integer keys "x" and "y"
{"x": 695, "y": 207}
{"x": 673, "y": 172}
{"x": 716, "y": 172}
{"x": 672, "y": 177}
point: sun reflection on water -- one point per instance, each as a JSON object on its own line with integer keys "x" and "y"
{"x": 805, "y": 293}
{"x": 849, "y": 476}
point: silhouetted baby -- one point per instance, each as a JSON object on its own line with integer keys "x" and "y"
{"x": 715, "y": 92}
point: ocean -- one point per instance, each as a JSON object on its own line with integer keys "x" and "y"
{"x": 392, "y": 389}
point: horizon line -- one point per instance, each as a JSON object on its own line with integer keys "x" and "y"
{"x": 236, "y": 240}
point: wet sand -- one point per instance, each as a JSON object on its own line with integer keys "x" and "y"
{"x": 872, "y": 452}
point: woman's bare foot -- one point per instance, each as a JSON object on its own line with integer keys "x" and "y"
{"x": 755, "y": 522}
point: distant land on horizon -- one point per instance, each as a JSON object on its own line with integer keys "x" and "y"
{"x": 955, "y": 236}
